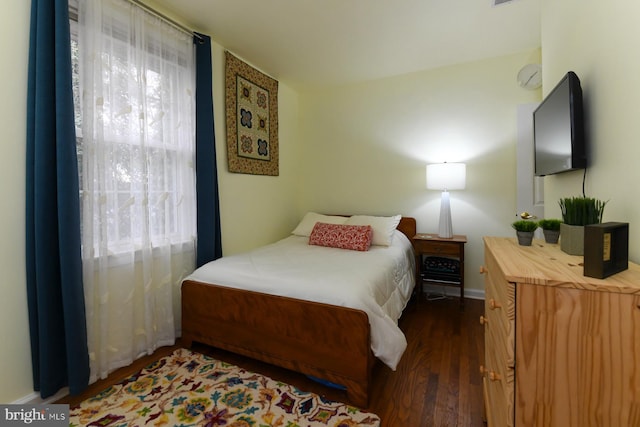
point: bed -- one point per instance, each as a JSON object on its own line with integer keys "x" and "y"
{"x": 233, "y": 304}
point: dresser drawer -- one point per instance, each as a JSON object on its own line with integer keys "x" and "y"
{"x": 498, "y": 381}
{"x": 499, "y": 329}
{"x": 499, "y": 373}
{"x": 499, "y": 294}
{"x": 499, "y": 332}
{"x": 494, "y": 273}
{"x": 497, "y": 316}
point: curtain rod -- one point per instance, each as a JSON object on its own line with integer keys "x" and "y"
{"x": 165, "y": 18}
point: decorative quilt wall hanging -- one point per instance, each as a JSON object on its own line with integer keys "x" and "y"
{"x": 252, "y": 119}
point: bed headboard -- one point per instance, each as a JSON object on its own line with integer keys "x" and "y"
{"x": 407, "y": 226}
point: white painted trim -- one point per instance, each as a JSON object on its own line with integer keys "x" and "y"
{"x": 452, "y": 291}
{"x": 35, "y": 399}
{"x": 530, "y": 188}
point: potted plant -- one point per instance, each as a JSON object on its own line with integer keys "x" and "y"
{"x": 576, "y": 213}
{"x": 524, "y": 230}
{"x": 550, "y": 229}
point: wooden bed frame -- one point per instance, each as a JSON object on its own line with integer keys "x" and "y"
{"x": 321, "y": 340}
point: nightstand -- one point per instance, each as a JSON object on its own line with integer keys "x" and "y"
{"x": 444, "y": 258}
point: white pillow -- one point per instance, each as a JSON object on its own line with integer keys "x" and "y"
{"x": 383, "y": 226}
{"x": 309, "y": 221}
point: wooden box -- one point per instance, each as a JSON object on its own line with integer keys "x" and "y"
{"x": 606, "y": 249}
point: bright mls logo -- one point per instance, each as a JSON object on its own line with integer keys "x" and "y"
{"x": 37, "y": 415}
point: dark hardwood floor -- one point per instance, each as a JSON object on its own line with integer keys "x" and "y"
{"x": 437, "y": 382}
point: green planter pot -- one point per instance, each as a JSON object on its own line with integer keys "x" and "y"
{"x": 572, "y": 239}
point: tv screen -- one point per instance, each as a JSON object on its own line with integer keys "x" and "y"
{"x": 558, "y": 129}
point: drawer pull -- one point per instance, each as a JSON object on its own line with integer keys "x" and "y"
{"x": 494, "y": 377}
{"x": 493, "y": 304}
{"x": 483, "y": 371}
{"x": 483, "y": 269}
{"x": 484, "y": 320}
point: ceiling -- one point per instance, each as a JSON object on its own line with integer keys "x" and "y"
{"x": 327, "y": 42}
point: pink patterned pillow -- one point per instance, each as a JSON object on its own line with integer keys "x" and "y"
{"x": 354, "y": 237}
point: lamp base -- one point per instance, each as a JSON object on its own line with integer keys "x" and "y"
{"x": 445, "y": 230}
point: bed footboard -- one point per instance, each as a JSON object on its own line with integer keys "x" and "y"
{"x": 325, "y": 341}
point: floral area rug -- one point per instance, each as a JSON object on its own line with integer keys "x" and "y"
{"x": 191, "y": 389}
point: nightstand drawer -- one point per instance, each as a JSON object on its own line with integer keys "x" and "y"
{"x": 437, "y": 248}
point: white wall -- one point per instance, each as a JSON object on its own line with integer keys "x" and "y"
{"x": 256, "y": 210}
{"x": 364, "y": 147}
{"x": 599, "y": 41}
{"x": 15, "y": 357}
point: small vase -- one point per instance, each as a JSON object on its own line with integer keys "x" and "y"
{"x": 551, "y": 236}
{"x": 572, "y": 239}
{"x": 524, "y": 237}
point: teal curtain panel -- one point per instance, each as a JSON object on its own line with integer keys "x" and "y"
{"x": 53, "y": 259}
{"x": 209, "y": 243}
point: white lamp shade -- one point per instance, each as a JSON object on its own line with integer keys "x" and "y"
{"x": 446, "y": 176}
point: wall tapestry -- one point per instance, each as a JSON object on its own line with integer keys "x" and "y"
{"x": 252, "y": 119}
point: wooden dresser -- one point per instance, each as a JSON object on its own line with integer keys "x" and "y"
{"x": 561, "y": 349}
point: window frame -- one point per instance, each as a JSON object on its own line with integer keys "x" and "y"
{"x": 125, "y": 244}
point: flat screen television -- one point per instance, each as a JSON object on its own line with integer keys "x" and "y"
{"x": 558, "y": 129}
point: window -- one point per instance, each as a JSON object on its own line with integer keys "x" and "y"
{"x": 135, "y": 133}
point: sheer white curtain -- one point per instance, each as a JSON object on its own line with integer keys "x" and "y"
{"x": 137, "y": 153}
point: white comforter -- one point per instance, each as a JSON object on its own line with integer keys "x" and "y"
{"x": 378, "y": 282}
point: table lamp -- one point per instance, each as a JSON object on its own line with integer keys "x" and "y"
{"x": 445, "y": 177}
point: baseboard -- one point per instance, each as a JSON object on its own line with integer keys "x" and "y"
{"x": 35, "y": 399}
{"x": 451, "y": 291}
